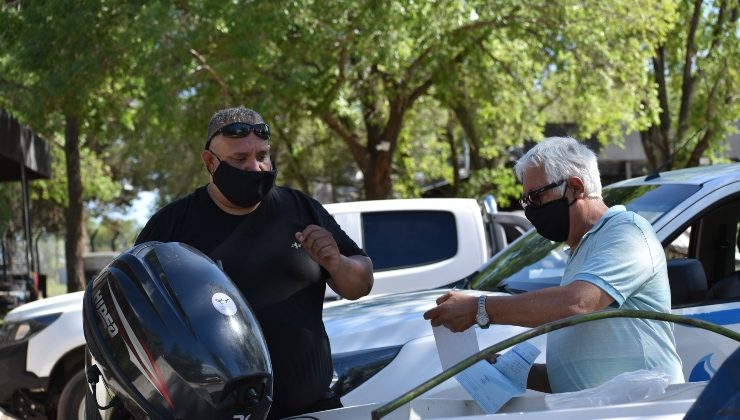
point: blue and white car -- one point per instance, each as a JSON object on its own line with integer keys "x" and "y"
{"x": 382, "y": 347}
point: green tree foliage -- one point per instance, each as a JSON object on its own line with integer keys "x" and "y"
{"x": 566, "y": 62}
{"x": 64, "y": 66}
{"x": 9, "y": 200}
{"x": 403, "y": 92}
{"x": 108, "y": 233}
{"x": 362, "y": 66}
{"x": 693, "y": 100}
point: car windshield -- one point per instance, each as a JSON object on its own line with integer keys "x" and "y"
{"x": 533, "y": 262}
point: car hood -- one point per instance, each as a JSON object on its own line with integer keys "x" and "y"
{"x": 380, "y": 320}
{"x": 62, "y": 303}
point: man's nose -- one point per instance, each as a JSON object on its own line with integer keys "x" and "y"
{"x": 251, "y": 165}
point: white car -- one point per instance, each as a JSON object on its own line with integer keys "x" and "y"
{"x": 382, "y": 347}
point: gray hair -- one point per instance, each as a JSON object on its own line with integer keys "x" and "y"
{"x": 228, "y": 116}
{"x": 563, "y": 157}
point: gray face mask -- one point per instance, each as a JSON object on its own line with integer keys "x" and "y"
{"x": 243, "y": 188}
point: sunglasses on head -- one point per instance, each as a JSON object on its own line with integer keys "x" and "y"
{"x": 240, "y": 130}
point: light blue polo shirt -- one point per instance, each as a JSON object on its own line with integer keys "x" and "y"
{"x": 622, "y": 256}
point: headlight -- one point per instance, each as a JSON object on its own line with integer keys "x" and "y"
{"x": 13, "y": 332}
{"x": 354, "y": 368}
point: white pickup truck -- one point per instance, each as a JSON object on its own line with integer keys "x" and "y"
{"x": 415, "y": 244}
{"x": 423, "y": 243}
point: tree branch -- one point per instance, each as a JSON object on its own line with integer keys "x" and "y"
{"x": 341, "y": 65}
{"x": 719, "y": 26}
{"x": 15, "y": 90}
{"x": 205, "y": 66}
{"x": 287, "y": 140}
{"x": 424, "y": 86}
{"x": 355, "y": 147}
{"x": 421, "y": 60}
{"x": 510, "y": 72}
{"x": 687, "y": 88}
{"x": 665, "y": 114}
{"x": 703, "y": 144}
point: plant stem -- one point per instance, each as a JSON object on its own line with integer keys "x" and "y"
{"x": 544, "y": 329}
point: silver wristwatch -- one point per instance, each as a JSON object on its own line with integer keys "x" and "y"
{"x": 482, "y": 316}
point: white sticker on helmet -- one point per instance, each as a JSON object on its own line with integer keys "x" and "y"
{"x": 224, "y": 304}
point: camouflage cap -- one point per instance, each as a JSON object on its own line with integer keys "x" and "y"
{"x": 228, "y": 116}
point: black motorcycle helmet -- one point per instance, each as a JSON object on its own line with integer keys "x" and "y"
{"x": 173, "y": 337}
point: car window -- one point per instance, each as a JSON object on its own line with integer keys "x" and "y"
{"x": 713, "y": 240}
{"x": 530, "y": 263}
{"x": 396, "y": 240}
{"x": 649, "y": 201}
{"x": 679, "y": 247}
{"x": 534, "y": 262}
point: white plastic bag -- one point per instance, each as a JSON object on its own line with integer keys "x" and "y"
{"x": 624, "y": 388}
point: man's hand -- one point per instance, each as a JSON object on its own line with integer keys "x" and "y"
{"x": 454, "y": 310}
{"x": 351, "y": 277}
{"x": 320, "y": 245}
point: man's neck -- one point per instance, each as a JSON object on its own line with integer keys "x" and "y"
{"x": 226, "y": 205}
{"x": 592, "y": 211}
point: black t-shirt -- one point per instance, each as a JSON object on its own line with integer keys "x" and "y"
{"x": 282, "y": 284}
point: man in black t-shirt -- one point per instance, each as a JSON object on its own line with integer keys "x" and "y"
{"x": 278, "y": 245}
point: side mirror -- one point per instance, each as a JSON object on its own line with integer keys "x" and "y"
{"x": 490, "y": 203}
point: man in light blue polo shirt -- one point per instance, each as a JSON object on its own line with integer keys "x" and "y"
{"x": 621, "y": 256}
{"x": 616, "y": 261}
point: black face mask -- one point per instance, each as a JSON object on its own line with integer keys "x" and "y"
{"x": 243, "y": 188}
{"x": 551, "y": 219}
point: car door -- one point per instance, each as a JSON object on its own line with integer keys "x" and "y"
{"x": 708, "y": 231}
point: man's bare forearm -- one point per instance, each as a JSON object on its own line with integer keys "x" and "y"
{"x": 354, "y": 277}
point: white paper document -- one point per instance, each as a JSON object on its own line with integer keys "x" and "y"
{"x": 491, "y": 386}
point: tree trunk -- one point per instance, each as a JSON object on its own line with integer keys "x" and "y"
{"x": 381, "y": 144}
{"x": 92, "y": 240}
{"x": 656, "y": 140}
{"x": 74, "y": 243}
{"x": 454, "y": 151}
{"x": 113, "y": 241}
{"x": 303, "y": 181}
{"x": 377, "y": 179}
{"x": 653, "y": 144}
{"x": 8, "y": 248}
{"x": 467, "y": 122}
{"x": 689, "y": 79}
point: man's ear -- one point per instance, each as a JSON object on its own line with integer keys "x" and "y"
{"x": 576, "y": 184}
{"x": 208, "y": 161}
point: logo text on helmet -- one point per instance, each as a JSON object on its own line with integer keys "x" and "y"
{"x": 104, "y": 315}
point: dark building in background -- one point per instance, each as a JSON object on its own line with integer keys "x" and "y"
{"x": 24, "y": 156}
